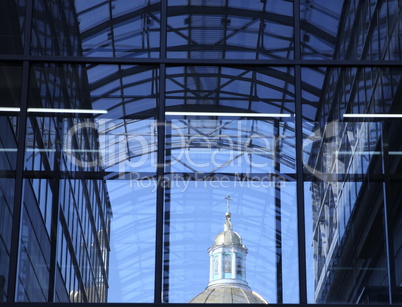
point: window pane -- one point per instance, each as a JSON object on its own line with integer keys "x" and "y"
{"x": 351, "y": 158}
{"x": 230, "y": 30}
{"x": 12, "y": 16}
{"x": 96, "y": 28}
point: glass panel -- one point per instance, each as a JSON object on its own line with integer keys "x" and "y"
{"x": 89, "y": 145}
{"x": 132, "y": 258}
{"x": 348, "y": 243}
{"x": 230, "y": 29}
{"x": 12, "y": 16}
{"x": 106, "y": 91}
{"x": 319, "y": 22}
{"x": 8, "y": 161}
{"x": 34, "y": 254}
{"x": 394, "y": 224}
{"x": 59, "y": 204}
{"x": 351, "y": 151}
{"x": 366, "y": 32}
{"x": 227, "y": 89}
{"x": 248, "y": 158}
{"x": 96, "y": 28}
{"x": 121, "y": 155}
{"x": 263, "y": 210}
{"x": 93, "y": 142}
{"x": 10, "y": 101}
{"x": 50, "y": 36}
{"x": 10, "y": 88}
{"x": 119, "y": 28}
{"x": 216, "y": 146}
{"x": 345, "y": 193}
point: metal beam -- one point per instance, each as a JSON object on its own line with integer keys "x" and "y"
{"x": 301, "y": 231}
{"x": 12, "y": 279}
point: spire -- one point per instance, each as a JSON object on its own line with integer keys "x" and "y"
{"x": 227, "y": 255}
{"x": 228, "y": 200}
{"x": 228, "y": 224}
{"x": 228, "y": 236}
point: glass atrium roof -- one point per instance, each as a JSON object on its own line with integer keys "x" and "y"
{"x": 203, "y": 30}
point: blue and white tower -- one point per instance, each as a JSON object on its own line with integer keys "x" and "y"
{"x": 227, "y": 270}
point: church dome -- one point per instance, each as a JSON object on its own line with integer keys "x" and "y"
{"x": 227, "y": 269}
{"x": 228, "y": 238}
{"x": 229, "y": 294}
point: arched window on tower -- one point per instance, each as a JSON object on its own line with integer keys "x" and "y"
{"x": 216, "y": 266}
{"x": 239, "y": 266}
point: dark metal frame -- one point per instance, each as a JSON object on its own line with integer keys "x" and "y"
{"x": 388, "y": 233}
{"x": 179, "y": 305}
{"x": 17, "y": 210}
{"x": 299, "y": 162}
{"x": 297, "y": 63}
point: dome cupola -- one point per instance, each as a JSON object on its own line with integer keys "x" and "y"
{"x": 228, "y": 236}
{"x": 227, "y": 272}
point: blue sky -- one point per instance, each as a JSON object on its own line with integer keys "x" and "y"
{"x": 197, "y": 216}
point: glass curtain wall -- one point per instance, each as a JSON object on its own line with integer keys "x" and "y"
{"x": 134, "y": 132}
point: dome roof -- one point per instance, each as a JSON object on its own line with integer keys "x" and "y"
{"x": 227, "y": 275}
{"x": 228, "y": 294}
{"x": 228, "y": 237}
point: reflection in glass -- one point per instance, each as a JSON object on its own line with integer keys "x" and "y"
{"x": 238, "y": 147}
{"x": 196, "y": 217}
{"x": 119, "y": 29}
{"x": 225, "y": 285}
{"x": 10, "y": 101}
{"x": 8, "y": 161}
{"x": 132, "y": 263}
{"x": 350, "y": 162}
{"x": 319, "y": 22}
{"x": 50, "y": 36}
{"x": 12, "y": 16}
{"x": 111, "y": 74}
{"x": 230, "y": 30}
{"x": 227, "y": 89}
{"x": 10, "y": 87}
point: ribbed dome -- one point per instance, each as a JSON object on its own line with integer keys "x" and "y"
{"x": 228, "y": 237}
{"x": 228, "y": 294}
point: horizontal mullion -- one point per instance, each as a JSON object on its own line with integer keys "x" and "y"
{"x": 194, "y": 62}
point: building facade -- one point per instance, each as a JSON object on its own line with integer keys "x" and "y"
{"x": 54, "y": 226}
{"x": 356, "y": 213}
{"x": 157, "y": 109}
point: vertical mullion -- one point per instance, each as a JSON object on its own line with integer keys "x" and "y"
{"x": 278, "y": 217}
{"x": 160, "y": 188}
{"x": 166, "y": 246}
{"x": 166, "y": 224}
{"x": 55, "y": 218}
{"x": 160, "y": 172}
{"x": 301, "y": 235}
{"x": 389, "y": 242}
{"x": 163, "y": 30}
{"x": 18, "y": 189}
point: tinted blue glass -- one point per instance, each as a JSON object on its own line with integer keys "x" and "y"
{"x": 230, "y": 30}
{"x": 12, "y": 16}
